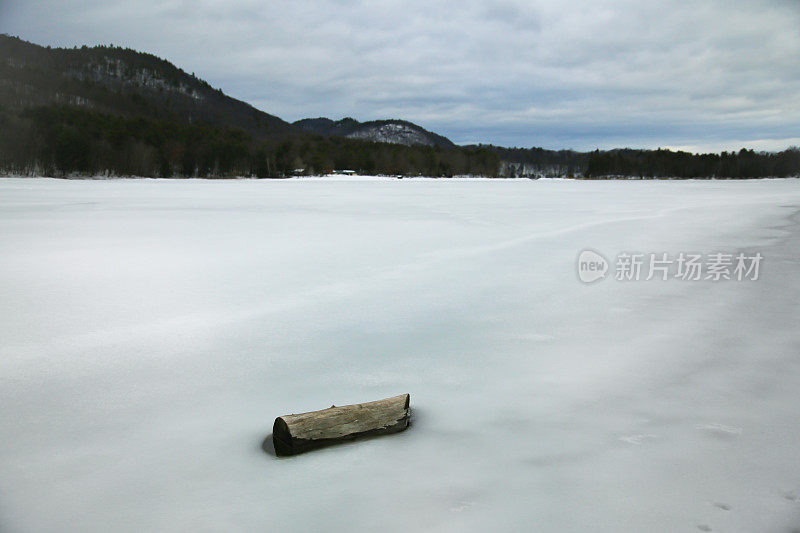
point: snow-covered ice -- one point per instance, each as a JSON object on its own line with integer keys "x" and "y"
{"x": 151, "y": 331}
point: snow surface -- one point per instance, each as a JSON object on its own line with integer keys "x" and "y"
{"x": 152, "y": 330}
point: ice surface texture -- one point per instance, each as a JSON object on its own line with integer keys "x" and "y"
{"x": 151, "y": 331}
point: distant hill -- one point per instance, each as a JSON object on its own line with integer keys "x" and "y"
{"x": 123, "y": 82}
{"x": 387, "y": 131}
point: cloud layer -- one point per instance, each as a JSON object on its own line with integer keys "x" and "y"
{"x": 584, "y": 74}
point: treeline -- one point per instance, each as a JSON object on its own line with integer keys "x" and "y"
{"x": 541, "y": 157}
{"x": 661, "y": 163}
{"x": 66, "y": 140}
{"x": 539, "y": 162}
{"x": 666, "y": 164}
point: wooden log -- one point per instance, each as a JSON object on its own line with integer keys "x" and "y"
{"x": 293, "y": 434}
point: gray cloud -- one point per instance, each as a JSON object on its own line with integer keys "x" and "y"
{"x": 583, "y": 74}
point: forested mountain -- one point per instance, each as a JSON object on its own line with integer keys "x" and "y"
{"x": 121, "y": 81}
{"x": 390, "y": 131}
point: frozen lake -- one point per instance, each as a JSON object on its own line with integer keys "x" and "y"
{"x": 151, "y": 331}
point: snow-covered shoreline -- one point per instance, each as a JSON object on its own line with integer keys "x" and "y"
{"x": 368, "y": 177}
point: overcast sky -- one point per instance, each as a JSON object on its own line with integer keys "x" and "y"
{"x": 710, "y": 75}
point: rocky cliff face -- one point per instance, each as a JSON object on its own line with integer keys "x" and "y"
{"x": 385, "y": 131}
